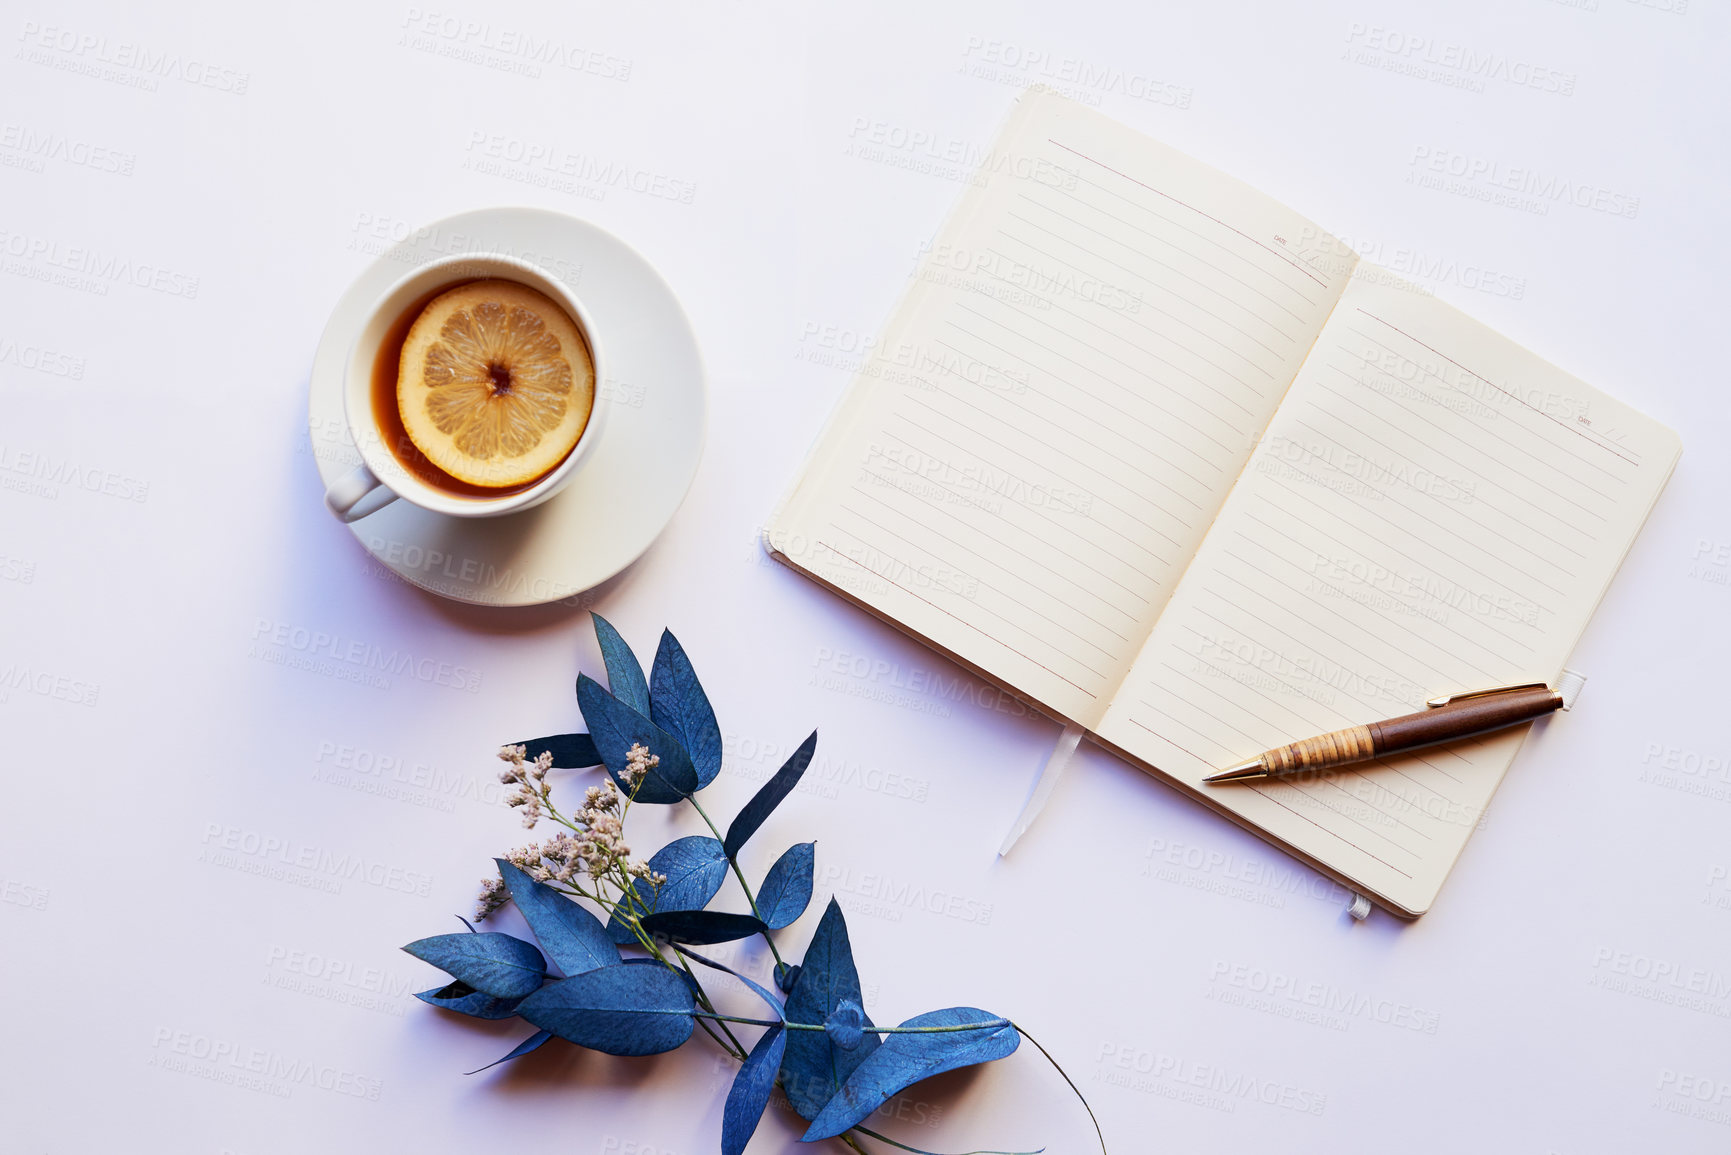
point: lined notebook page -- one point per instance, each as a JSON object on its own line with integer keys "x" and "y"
{"x": 1433, "y": 510}
{"x": 1059, "y": 405}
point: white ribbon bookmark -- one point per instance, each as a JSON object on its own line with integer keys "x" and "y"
{"x": 1569, "y": 685}
{"x": 1062, "y": 754}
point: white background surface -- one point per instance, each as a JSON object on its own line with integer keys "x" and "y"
{"x": 1571, "y": 990}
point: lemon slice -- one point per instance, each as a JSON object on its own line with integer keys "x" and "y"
{"x": 495, "y": 384}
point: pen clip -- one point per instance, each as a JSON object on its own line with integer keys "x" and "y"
{"x": 1447, "y": 699}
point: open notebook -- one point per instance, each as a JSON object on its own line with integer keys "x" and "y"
{"x": 1138, "y": 445}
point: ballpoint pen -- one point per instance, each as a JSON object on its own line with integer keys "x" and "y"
{"x": 1447, "y": 718}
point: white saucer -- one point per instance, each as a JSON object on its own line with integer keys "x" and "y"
{"x": 619, "y": 499}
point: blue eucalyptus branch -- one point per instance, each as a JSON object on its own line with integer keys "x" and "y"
{"x": 659, "y": 743}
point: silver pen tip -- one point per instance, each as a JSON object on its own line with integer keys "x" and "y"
{"x": 1240, "y": 772}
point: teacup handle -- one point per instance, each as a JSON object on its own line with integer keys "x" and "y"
{"x": 345, "y": 494}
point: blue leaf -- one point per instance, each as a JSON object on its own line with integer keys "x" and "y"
{"x": 749, "y": 1094}
{"x": 695, "y": 867}
{"x": 696, "y": 990}
{"x": 466, "y": 1000}
{"x": 678, "y": 705}
{"x": 568, "y": 932}
{"x": 904, "y": 1060}
{"x": 786, "y": 976}
{"x": 616, "y": 727}
{"x": 570, "y": 751}
{"x": 746, "y": 822}
{"x": 702, "y": 926}
{"x": 761, "y": 993}
{"x": 844, "y": 1025}
{"x": 624, "y": 672}
{"x": 532, "y": 1043}
{"x": 497, "y": 964}
{"x": 815, "y": 1069}
{"x": 786, "y": 889}
{"x": 622, "y": 1010}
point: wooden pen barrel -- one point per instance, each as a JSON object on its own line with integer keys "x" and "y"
{"x": 1353, "y": 744}
{"x": 1467, "y": 716}
{"x": 1410, "y": 731}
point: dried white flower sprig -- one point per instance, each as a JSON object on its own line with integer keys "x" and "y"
{"x": 638, "y": 762}
{"x": 590, "y": 857}
{"x": 530, "y": 778}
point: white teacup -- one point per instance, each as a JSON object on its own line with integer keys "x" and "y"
{"x": 382, "y": 478}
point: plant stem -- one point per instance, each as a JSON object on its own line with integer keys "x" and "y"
{"x": 743, "y": 885}
{"x": 738, "y": 1049}
{"x": 710, "y": 1031}
{"x": 626, "y": 909}
{"x": 1101, "y": 1135}
{"x": 737, "y": 1019}
{"x": 990, "y": 1025}
{"x": 630, "y": 917}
